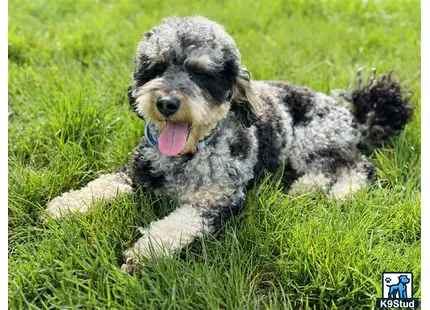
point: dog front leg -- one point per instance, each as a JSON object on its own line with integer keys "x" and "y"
{"x": 187, "y": 223}
{"x": 104, "y": 188}
{"x": 403, "y": 292}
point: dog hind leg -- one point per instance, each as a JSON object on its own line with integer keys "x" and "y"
{"x": 352, "y": 178}
{"x": 310, "y": 181}
{"x": 336, "y": 174}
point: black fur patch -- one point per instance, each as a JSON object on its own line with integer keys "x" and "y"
{"x": 244, "y": 113}
{"x": 289, "y": 176}
{"x": 299, "y": 101}
{"x": 219, "y": 214}
{"x": 269, "y": 153}
{"x": 132, "y": 101}
{"x": 332, "y": 158}
{"x": 240, "y": 104}
{"x": 218, "y": 84}
{"x": 148, "y": 71}
{"x": 371, "y": 173}
{"x": 383, "y": 108}
{"x": 241, "y": 146}
{"x": 143, "y": 173}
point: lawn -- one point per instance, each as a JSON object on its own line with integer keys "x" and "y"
{"x": 70, "y": 63}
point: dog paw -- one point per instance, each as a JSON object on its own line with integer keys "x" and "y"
{"x": 65, "y": 204}
{"x": 309, "y": 183}
{"x": 131, "y": 263}
{"x": 56, "y": 208}
{"x": 340, "y": 194}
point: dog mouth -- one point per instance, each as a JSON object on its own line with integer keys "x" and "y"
{"x": 173, "y": 138}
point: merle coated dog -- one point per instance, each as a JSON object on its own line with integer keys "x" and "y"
{"x": 211, "y": 133}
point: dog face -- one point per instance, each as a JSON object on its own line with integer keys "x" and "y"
{"x": 187, "y": 78}
{"x": 403, "y": 279}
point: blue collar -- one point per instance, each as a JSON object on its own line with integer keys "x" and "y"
{"x": 154, "y": 140}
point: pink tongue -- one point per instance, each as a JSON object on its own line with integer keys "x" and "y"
{"x": 173, "y": 138}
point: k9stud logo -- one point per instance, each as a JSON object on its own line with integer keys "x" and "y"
{"x": 397, "y": 290}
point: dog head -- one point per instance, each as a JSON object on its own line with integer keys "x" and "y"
{"x": 187, "y": 77}
{"x": 403, "y": 279}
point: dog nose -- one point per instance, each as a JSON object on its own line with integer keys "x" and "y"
{"x": 168, "y": 105}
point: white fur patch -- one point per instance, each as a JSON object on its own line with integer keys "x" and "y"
{"x": 349, "y": 181}
{"x": 106, "y": 187}
{"x": 208, "y": 196}
{"x": 171, "y": 233}
{"x": 309, "y": 182}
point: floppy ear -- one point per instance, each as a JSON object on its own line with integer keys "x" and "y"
{"x": 245, "y": 104}
{"x": 132, "y": 99}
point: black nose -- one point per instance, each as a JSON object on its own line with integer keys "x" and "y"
{"x": 168, "y": 105}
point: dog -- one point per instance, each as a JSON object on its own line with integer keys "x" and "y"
{"x": 211, "y": 134}
{"x": 399, "y": 288}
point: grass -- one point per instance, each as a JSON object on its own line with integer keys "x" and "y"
{"x": 70, "y": 63}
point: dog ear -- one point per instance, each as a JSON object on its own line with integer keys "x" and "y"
{"x": 245, "y": 104}
{"x": 132, "y": 99}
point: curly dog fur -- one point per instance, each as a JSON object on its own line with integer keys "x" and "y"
{"x": 212, "y": 134}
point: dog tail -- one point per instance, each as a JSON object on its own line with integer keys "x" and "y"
{"x": 381, "y": 109}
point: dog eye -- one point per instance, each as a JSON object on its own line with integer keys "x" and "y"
{"x": 192, "y": 69}
{"x": 149, "y": 73}
{"x": 156, "y": 71}
{"x": 200, "y": 73}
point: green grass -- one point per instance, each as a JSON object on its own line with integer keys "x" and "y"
{"x": 70, "y": 63}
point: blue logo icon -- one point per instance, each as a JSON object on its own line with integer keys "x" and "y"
{"x": 397, "y": 291}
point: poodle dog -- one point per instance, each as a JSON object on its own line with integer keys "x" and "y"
{"x": 211, "y": 133}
